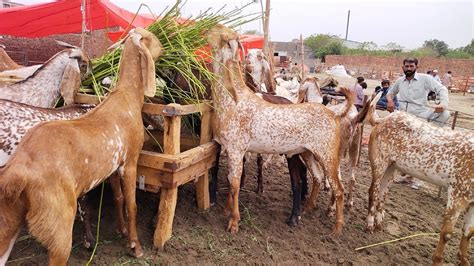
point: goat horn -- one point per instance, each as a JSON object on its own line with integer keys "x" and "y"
{"x": 65, "y": 44}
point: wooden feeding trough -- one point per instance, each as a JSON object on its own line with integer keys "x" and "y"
{"x": 184, "y": 159}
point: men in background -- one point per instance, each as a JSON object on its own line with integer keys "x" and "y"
{"x": 261, "y": 72}
{"x": 448, "y": 80}
{"x": 435, "y": 75}
{"x": 384, "y": 88}
{"x": 413, "y": 89}
{"x": 358, "y": 92}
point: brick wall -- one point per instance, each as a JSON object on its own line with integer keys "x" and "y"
{"x": 31, "y": 51}
{"x": 380, "y": 66}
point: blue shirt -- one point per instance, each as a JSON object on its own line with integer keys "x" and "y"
{"x": 383, "y": 99}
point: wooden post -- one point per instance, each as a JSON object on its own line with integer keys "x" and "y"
{"x": 302, "y": 57}
{"x": 168, "y": 196}
{"x": 453, "y": 126}
{"x": 266, "y": 23}
{"x": 202, "y": 185}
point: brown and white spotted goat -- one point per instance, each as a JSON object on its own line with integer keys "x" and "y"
{"x": 17, "y": 118}
{"x": 43, "y": 179}
{"x": 244, "y": 122}
{"x": 440, "y": 156}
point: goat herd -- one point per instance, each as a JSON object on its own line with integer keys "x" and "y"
{"x": 51, "y": 157}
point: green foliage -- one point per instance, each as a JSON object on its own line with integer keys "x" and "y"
{"x": 469, "y": 48}
{"x": 328, "y": 44}
{"x": 324, "y": 44}
{"x": 440, "y": 47}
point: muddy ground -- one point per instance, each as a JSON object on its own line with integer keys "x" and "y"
{"x": 264, "y": 237}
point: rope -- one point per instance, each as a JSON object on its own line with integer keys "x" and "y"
{"x": 98, "y": 226}
{"x": 435, "y": 117}
{"x": 395, "y": 240}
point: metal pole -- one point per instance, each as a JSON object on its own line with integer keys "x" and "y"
{"x": 347, "y": 27}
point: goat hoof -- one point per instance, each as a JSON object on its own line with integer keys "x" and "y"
{"x": 337, "y": 231}
{"x": 136, "y": 250}
{"x": 293, "y": 220}
{"x": 370, "y": 229}
{"x": 233, "y": 227}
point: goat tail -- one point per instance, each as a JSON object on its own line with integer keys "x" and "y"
{"x": 11, "y": 185}
{"x": 362, "y": 114}
{"x": 349, "y": 100}
{"x": 372, "y": 116}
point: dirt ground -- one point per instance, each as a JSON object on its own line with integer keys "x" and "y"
{"x": 264, "y": 237}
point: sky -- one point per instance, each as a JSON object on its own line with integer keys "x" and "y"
{"x": 406, "y": 22}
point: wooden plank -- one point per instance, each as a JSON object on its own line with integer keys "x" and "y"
{"x": 164, "y": 227}
{"x": 154, "y": 108}
{"x": 206, "y": 132}
{"x": 172, "y": 110}
{"x": 87, "y": 98}
{"x": 175, "y": 163}
{"x": 202, "y": 192}
{"x": 202, "y": 185}
{"x": 171, "y": 140}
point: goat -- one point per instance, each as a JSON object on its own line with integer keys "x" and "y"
{"x": 441, "y": 156}
{"x": 244, "y": 122}
{"x": 60, "y": 75}
{"x": 44, "y": 177}
{"x": 17, "y": 118}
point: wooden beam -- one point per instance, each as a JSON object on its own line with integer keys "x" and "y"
{"x": 176, "y": 163}
{"x": 202, "y": 185}
{"x": 154, "y": 108}
{"x": 167, "y": 207}
{"x": 176, "y": 109}
{"x": 171, "y": 140}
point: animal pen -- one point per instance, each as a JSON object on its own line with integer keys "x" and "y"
{"x": 185, "y": 158}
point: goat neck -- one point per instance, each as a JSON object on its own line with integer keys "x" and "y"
{"x": 43, "y": 87}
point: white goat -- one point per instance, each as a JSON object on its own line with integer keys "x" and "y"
{"x": 60, "y": 75}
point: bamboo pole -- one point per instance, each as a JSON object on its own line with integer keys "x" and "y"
{"x": 302, "y": 56}
{"x": 266, "y": 23}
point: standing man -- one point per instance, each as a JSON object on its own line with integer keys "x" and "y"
{"x": 448, "y": 80}
{"x": 412, "y": 90}
{"x": 435, "y": 75}
{"x": 358, "y": 93}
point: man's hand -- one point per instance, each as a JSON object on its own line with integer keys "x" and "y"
{"x": 439, "y": 109}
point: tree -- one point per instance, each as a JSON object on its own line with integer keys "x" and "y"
{"x": 324, "y": 44}
{"x": 440, "y": 47}
{"x": 469, "y": 48}
{"x": 393, "y": 47}
{"x": 368, "y": 46}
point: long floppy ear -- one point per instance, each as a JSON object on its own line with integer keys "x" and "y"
{"x": 70, "y": 82}
{"x": 147, "y": 65}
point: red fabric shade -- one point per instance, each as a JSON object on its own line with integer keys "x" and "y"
{"x": 64, "y": 16}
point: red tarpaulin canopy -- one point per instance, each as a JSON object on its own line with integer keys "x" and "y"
{"x": 64, "y": 16}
